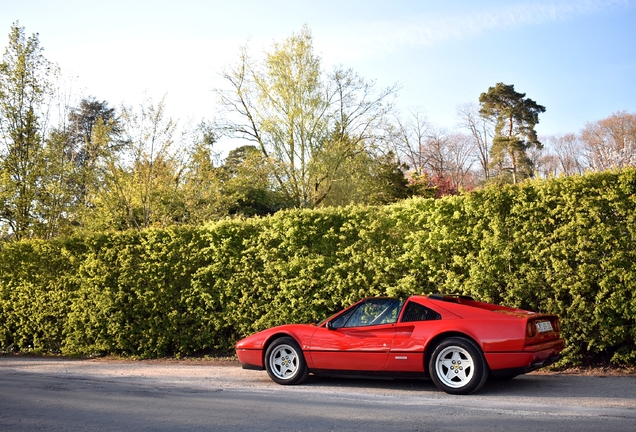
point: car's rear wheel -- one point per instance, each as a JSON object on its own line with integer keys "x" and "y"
{"x": 285, "y": 362}
{"x": 458, "y": 366}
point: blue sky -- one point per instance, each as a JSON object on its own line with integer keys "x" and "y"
{"x": 577, "y": 58}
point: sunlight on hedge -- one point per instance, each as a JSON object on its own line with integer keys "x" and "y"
{"x": 565, "y": 246}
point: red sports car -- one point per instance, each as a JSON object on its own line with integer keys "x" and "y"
{"x": 454, "y": 340}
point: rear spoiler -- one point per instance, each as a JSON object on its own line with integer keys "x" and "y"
{"x": 469, "y": 301}
{"x": 450, "y": 297}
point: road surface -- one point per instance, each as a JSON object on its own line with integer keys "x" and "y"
{"x": 108, "y": 395}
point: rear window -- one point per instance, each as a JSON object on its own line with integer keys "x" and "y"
{"x": 417, "y": 312}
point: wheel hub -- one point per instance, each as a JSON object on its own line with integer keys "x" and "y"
{"x": 454, "y": 367}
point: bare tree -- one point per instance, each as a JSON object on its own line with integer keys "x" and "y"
{"x": 449, "y": 156}
{"x": 568, "y": 150}
{"x": 462, "y": 153}
{"x": 434, "y": 152}
{"x": 611, "y": 142}
{"x": 409, "y": 140}
{"x": 481, "y": 131}
{"x": 544, "y": 162}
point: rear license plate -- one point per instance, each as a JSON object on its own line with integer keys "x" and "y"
{"x": 544, "y": 326}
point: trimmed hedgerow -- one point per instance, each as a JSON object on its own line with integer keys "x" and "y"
{"x": 565, "y": 245}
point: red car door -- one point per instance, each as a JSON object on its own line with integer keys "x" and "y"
{"x": 355, "y": 348}
{"x": 358, "y": 342}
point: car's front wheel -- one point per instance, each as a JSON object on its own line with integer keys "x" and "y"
{"x": 285, "y": 362}
{"x": 458, "y": 366}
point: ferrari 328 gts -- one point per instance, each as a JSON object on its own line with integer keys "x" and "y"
{"x": 454, "y": 340}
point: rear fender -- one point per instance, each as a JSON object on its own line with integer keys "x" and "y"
{"x": 434, "y": 341}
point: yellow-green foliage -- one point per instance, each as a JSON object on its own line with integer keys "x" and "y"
{"x": 566, "y": 246}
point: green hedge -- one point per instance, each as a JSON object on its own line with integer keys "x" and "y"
{"x": 565, "y": 245}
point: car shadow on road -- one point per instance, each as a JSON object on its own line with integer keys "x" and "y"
{"x": 527, "y": 385}
{"x": 357, "y": 382}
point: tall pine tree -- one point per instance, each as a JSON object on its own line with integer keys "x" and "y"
{"x": 515, "y": 118}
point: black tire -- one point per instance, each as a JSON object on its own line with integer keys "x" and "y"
{"x": 285, "y": 362}
{"x": 458, "y": 366}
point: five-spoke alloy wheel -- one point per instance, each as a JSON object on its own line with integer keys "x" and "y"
{"x": 457, "y": 366}
{"x": 285, "y": 362}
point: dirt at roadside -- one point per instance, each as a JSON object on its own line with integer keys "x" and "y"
{"x": 592, "y": 371}
{"x": 232, "y": 361}
{"x": 205, "y": 361}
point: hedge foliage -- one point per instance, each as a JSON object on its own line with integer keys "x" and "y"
{"x": 566, "y": 246}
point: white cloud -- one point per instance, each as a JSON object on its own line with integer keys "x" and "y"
{"x": 376, "y": 39}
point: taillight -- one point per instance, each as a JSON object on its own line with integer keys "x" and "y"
{"x": 531, "y": 329}
{"x": 557, "y": 325}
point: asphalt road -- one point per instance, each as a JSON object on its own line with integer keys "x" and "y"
{"x": 98, "y": 395}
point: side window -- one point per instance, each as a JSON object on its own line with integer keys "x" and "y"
{"x": 375, "y": 312}
{"x": 417, "y": 312}
{"x": 342, "y": 319}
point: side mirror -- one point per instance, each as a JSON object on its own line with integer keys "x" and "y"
{"x": 330, "y": 326}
